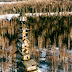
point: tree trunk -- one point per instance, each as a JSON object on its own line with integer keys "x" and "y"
{"x": 68, "y": 42}
{"x": 49, "y": 10}
{"x": 52, "y": 65}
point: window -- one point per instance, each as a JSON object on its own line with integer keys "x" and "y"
{"x": 1, "y": 47}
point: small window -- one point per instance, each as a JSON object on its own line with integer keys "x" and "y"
{"x": 25, "y": 50}
{"x": 27, "y": 34}
{"x": 24, "y": 36}
{"x": 1, "y": 47}
{"x": 27, "y": 57}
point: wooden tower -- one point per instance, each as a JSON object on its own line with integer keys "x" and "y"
{"x": 30, "y": 65}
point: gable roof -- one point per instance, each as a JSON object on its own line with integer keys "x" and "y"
{"x": 29, "y": 63}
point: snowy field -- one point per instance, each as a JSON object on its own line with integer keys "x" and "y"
{"x": 12, "y": 2}
{"x": 9, "y": 16}
{"x": 43, "y": 67}
{"x": 52, "y": 13}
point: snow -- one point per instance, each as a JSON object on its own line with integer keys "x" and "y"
{"x": 8, "y": 16}
{"x": 39, "y": 70}
{"x": 43, "y": 53}
{"x": 52, "y": 13}
{"x": 11, "y": 2}
{"x": 7, "y": 2}
{"x": 70, "y": 51}
{"x": 43, "y": 67}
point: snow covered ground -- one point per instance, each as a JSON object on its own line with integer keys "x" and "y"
{"x": 7, "y": 2}
{"x": 43, "y": 67}
{"x": 9, "y": 16}
{"x": 52, "y": 13}
{"x": 12, "y": 2}
{"x": 43, "y": 53}
{"x": 70, "y": 52}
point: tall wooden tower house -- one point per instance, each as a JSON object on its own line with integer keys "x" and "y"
{"x": 30, "y": 65}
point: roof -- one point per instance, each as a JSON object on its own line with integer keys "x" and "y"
{"x": 29, "y": 63}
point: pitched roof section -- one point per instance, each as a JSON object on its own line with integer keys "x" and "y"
{"x": 29, "y": 63}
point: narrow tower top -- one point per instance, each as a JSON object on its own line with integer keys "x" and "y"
{"x": 23, "y": 18}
